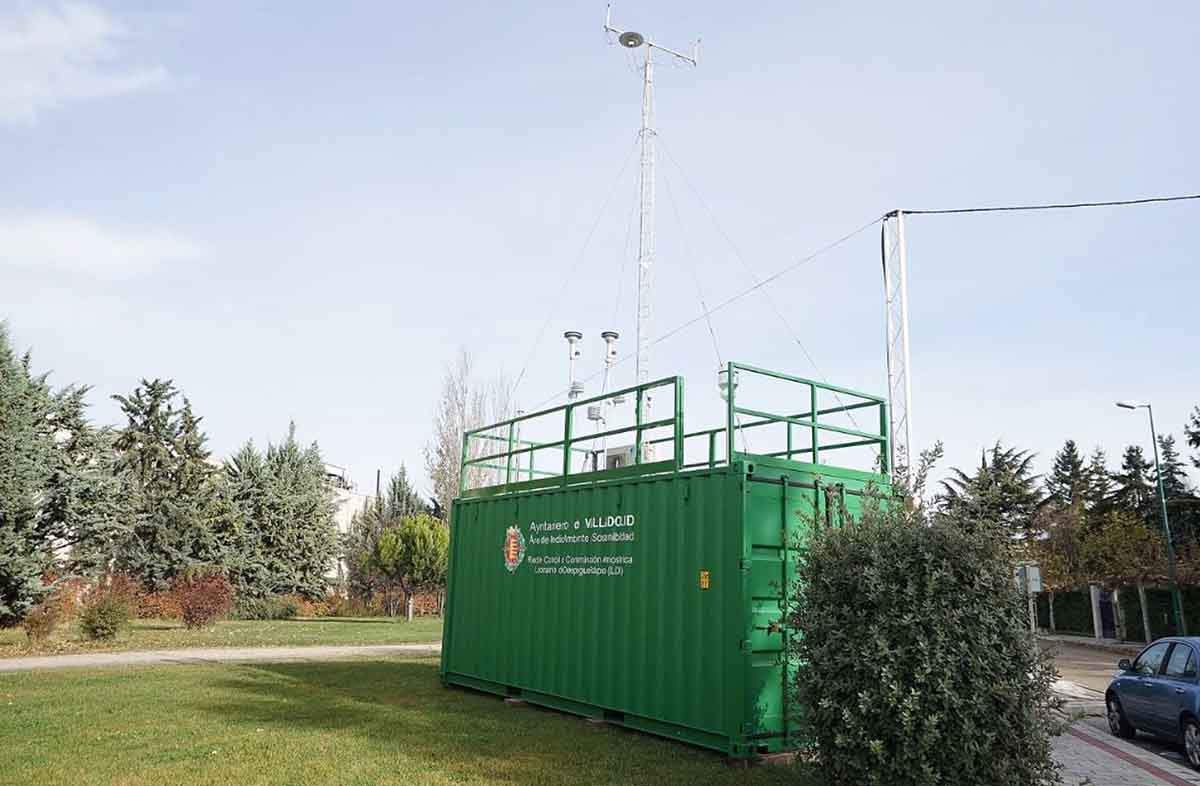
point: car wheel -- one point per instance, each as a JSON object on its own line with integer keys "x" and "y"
{"x": 1191, "y": 741}
{"x": 1121, "y": 727}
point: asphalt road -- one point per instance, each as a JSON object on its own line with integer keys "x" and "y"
{"x": 1093, "y": 668}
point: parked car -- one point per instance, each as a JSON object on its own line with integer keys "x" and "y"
{"x": 1158, "y": 693}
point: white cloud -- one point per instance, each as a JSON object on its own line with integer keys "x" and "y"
{"x": 49, "y": 57}
{"x": 80, "y": 245}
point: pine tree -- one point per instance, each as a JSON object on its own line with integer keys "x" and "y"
{"x": 286, "y": 539}
{"x": 1002, "y": 492}
{"x": 1067, "y": 483}
{"x": 1174, "y": 476}
{"x": 26, "y": 461}
{"x": 358, "y": 546}
{"x": 1191, "y": 432}
{"x": 246, "y": 482}
{"x": 401, "y": 499}
{"x": 173, "y": 489}
{"x": 83, "y": 505}
{"x": 1099, "y": 482}
{"x": 1134, "y": 492}
{"x": 300, "y": 540}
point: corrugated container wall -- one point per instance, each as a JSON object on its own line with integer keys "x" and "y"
{"x": 651, "y": 601}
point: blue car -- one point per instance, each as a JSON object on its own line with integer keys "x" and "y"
{"x": 1157, "y": 693}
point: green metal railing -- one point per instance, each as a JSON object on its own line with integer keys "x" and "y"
{"x": 516, "y": 469}
{"x": 508, "y": 461}
{"x": 809, "y": 420}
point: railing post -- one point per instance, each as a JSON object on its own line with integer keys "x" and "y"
{"x": 509, "y": 458}
{"x": 712, "y": 448}
{"x": 678, "y": 423}
{"x": 637, "y": 419}
{"x": 570, "y": 413}
{"x": 885, "y": 441}
{"x": 816, "y": 455}
{"x": 462, "y": 465}
{"x": 731, "y": 391}
{"x": 789, "y": 440}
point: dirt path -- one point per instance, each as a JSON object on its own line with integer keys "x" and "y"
{"x": 215, "y": 655}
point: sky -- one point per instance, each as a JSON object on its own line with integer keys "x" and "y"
{"x": 303, "y": 211}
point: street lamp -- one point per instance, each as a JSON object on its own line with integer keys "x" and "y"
{"x": 1162, "y": 506}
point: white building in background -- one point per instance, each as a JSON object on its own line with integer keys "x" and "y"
{"x": 347, "y": 501}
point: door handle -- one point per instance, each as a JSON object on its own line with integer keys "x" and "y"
{"x": 1179, "y": 691}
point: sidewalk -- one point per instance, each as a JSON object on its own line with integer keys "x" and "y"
{"x": 1092, "y": 757}
{"x": 215, "y": 655}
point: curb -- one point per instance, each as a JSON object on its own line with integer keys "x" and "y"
{"x": 1108, "y": 645}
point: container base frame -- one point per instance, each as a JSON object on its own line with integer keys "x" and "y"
{"x": 736, "y": 752}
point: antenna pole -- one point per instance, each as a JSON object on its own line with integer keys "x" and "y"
{"x": 646, "y": 224}
{"x": 632, "y": 40}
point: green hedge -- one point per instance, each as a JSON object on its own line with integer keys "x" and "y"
{"x": 1073, "y": 612}
{"x": 1131, "y": 613}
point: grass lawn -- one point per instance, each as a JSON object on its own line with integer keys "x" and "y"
{"x": 170, "y": 634}
{"x": 386, "y": 721}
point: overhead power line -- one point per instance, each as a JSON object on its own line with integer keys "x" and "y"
{"x": 1058, "y": 206}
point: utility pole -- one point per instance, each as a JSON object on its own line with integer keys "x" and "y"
{"x": 632, "y": 40}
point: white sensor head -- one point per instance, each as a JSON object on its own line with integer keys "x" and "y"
{"x": 573, "y": 338}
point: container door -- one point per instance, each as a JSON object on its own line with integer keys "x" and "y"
{"x": 777, "y": 520}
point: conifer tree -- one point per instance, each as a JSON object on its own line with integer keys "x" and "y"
{"x": 1133, "y": 490}
{"x": 298, "y": 534}
{"x": 1174, "y": 476}
{"x": 26, "y": 461}
{"x": 246, "y": 482}
{"x": 1067, "y": 482}
{"x": 83, "y": 505}
{"x": 1002, "y": 491}
{"x": 1099, "y": 482}
{"x": 401, "y": 499}
{"x": 172, "y": 488}
{"x": 1191, "y": 432}
{"x": 285, "y": 541}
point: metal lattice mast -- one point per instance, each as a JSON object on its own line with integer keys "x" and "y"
{"x": 895, "y": 290}
{"x": 632, "y": 40}
{"x": 646, "y": 222}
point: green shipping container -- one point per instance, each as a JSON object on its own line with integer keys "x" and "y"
{"x": 651, "y": 594}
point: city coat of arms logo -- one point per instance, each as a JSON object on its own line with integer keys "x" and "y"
{"x": 514, "y": 548}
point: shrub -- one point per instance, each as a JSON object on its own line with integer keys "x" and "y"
{"x": 274, "y": 607}
{"x": 203, "y": 594}
{"x": 107, "y": 609}
{"x": 41, "y": 620}
{"x": 338, "y": 606}
{"x": 158, "y": 606}
{"x": 919, "y": 667}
